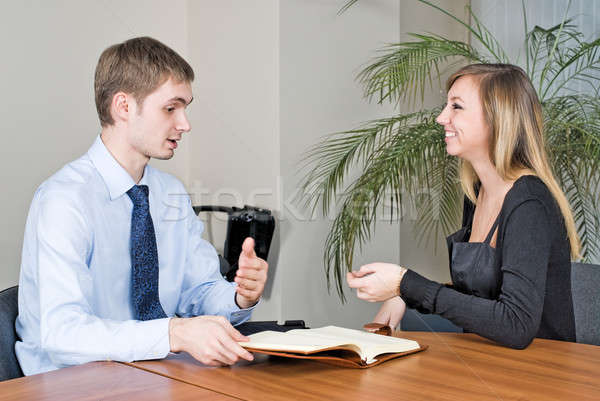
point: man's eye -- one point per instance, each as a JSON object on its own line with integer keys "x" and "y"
{"x": 456, "y": 106}
{"x": 170, "y": 109}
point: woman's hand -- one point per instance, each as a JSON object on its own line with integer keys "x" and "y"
{"x": 376, "y": 281}
{"x": 391, "y": 312}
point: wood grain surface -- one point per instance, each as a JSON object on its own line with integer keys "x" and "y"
{"x": 106, "y": 381}
{"x": 455, "y": 367}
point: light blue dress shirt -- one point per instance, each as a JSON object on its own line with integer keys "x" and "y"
{"x": 75, "y": 282}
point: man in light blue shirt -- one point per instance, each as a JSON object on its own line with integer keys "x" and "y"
{"x": 75, "y": 289}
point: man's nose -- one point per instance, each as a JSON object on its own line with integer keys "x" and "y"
{"x": 183, "y": 124}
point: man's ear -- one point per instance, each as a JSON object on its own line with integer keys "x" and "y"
{"x": 121, "y": 106}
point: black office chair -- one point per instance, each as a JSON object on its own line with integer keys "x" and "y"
{"x": 415, "y": 321}
{"x": 585, "y": 285}
{"x": 9, "y": 365}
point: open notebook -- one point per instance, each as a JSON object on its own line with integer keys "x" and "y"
{"x": 331, "y": 344}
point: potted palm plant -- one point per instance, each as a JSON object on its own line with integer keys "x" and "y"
{"x": 403, "y": 156}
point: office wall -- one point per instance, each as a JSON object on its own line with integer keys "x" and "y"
{"x": 276, "y": 76}
{"x": 235, "y": 140}
{"x": 272, "y": 78}
{"x": 428, "y": 257}
{"x": 47, "y": 112}
{"x": 505, "y": 19}
{"x": 321, "y": 53}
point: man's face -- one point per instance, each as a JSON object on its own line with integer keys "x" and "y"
{"x": 155, "y": 129}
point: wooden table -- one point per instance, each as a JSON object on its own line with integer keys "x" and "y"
{"x": 455, "y": 367}
{"x": 102, "y": 381}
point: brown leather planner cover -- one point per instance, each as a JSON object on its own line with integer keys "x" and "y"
{"x": 340, "y": 356}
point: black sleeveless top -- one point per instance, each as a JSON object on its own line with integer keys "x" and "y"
{"x": 514, "y": 292}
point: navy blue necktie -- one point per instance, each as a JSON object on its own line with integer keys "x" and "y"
{"x": 144, "y": 258}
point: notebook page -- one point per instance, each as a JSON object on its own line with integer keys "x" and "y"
{"x": 370, "y": 344}
{"x": 291, "y": 341}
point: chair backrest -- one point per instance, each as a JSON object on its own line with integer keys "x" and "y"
{"x": 9, "y": 365}
{"x": 585, "y": 285}
{"x": 415, "y": 321}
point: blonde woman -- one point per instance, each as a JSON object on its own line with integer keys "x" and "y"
{"x": 510, "y": 263}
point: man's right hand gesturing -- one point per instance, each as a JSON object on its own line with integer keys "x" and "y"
{"x": 211, "y": 340}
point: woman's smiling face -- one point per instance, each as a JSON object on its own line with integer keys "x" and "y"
{"x": 467, "y": 132}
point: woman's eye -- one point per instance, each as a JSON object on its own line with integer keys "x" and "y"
{"x": 456, "y": 106}
{"x": 170, "y": 109}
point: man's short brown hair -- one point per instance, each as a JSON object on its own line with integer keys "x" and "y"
{"x": 138, "y": 67}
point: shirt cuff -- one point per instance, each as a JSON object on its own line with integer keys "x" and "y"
{"x": 418, "y": 292}
{"x": 239, "y": 315}
{"x": 152, "y": 342}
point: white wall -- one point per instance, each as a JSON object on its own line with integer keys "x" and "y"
{"x": 321, "y": 53}
{"x": 506, "y": 22}
{"x": 272, "y": 76}
{"x": 505, "y": 19}
{"x": 430, "y": 257}
{"x": 235, "y": 140}
{"x": 47, "y": 112}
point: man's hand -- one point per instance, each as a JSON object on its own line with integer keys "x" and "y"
{"x": 212, "y": 340}
{"x": 251, "y": 276}
{"x": 376, "y": 281}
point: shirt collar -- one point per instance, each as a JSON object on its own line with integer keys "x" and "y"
{"x": 117, "y": 179}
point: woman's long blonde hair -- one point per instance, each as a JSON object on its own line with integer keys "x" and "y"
{"x": 517, "y": 147}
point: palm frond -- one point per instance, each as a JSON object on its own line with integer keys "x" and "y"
{"x": 404, "y": 157}
{"x": 405, "y": 69}
{"x": 572, "y": 125}
{"x": 478, "y": 31}
{"x": 347, "y": 6}
{"x": 401, "y": 164}
{"x": 575, "y": 65}
{"x": 555, "y": 47}
{"x": 331, "y": 159}
{"x": 525, "y": 29}
{"x": 437, "y": 210}
{"x": 580, "y": 185}
{"x": 548, "y": 44}
{"x": 487, "y": 39}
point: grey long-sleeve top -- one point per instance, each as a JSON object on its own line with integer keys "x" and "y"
{"x": 533, "y": 255}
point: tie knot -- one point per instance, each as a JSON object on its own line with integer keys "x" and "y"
{"x": 138, "y": 195}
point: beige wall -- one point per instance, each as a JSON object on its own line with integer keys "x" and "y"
{"x": 321, "y": 53}
{"x": 235, "y": 142}
{"x": 48, "y": 117}
{"x": 429, "y": 258}
{"x": 272, "y": 77}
